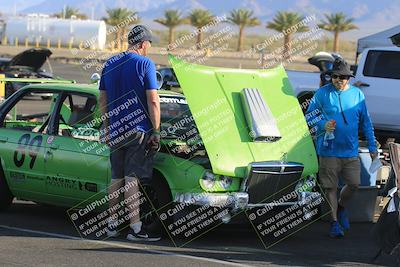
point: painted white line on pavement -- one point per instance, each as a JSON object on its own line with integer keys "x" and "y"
{"x": 115, "y": 244}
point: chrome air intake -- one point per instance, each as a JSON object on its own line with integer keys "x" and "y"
{"x": 260, "y": 120}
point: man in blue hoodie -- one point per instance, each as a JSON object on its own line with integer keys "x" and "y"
{"x": 338, "y": 111}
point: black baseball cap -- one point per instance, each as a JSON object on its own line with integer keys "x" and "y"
{"x": 139, "y": 33}
{"x": 340, "y": 67}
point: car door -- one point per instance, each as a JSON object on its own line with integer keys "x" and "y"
{"x": 23, "y": 137}
{"x": 77, "y": 164}
{"x": 380, "y": 80}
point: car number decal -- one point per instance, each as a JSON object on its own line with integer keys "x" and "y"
{"x": 33, "y": 147}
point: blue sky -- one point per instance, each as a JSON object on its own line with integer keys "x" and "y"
{"x": 370, "y": 16}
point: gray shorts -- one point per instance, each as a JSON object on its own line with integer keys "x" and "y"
{"x": 331, "y": 168}
{"x": 130, "y": 159}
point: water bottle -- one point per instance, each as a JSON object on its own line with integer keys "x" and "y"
{"x": 329, "y": 137}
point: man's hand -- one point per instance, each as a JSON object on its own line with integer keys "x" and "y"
{"x": 330, "y": 126}
{"x": 373, "y": 155}
{"x": 154, "y": 140}
{"x": 105, "y": 136}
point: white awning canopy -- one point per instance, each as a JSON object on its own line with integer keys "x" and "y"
{"x": 380, "y": 39}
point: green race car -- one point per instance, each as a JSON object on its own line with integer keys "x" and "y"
{"x": 236, "y": 138}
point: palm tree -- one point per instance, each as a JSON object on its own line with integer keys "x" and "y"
{"x": 337, "y": 23}
{"x": 200, "y": 18}
{"x": 242, "y": 18}
{"x": 120, "y": 18}
{"x": 67, "y": 12}
{"x": 172, "y": 19}
{"x": 287, "y": 23}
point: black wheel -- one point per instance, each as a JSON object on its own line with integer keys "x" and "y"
{"x": 6, "y": 197}
{"x": 159, "y": 201}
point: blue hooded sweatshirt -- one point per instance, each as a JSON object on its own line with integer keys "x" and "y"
{"x": 350, "y": 112}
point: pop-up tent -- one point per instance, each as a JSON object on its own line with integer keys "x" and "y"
{"x": 378, "y": 39}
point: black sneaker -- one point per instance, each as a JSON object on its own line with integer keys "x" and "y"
{"x": 143, "y": 235}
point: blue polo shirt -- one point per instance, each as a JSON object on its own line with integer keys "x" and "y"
{"x": 350, "y": 112}
{"x": 125, "y": 78}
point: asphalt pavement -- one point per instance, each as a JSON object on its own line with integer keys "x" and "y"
{"x": 79, "y": 73}
{"x": 37, "y": 235}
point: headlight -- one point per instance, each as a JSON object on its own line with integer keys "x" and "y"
{"x": 225, "y": 181}
{"x": 208, "y": 180}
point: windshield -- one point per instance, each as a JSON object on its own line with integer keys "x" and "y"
{"x": 178, "y": 130}
{"x": 176, "y": 119}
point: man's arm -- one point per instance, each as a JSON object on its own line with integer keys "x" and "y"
{"x": 153, "y": 101}
{"x": 368, "y": 130}
{"x": 153, "y": 104}
{"x": 314, "y": 115}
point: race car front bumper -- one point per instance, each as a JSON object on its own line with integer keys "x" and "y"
{"x": 236, "y": 200}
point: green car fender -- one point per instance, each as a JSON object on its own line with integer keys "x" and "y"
{"x": 181, "y": 175}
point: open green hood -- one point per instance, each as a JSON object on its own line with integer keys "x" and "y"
{"x": 214, "y": 98}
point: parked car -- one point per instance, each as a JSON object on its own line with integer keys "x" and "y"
{"x": 28, "y": 64}
{"x": 221, "y": 144}
{"x": 378, "y": 76}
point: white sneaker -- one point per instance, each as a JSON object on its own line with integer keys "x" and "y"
{"x": 141, "y": 236}
{"x": 112, "y": 229}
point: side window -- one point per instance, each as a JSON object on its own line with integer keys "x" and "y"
{"x": 77, "y": 117}
{"x": 382, "y": 64}
{"x": 31, "y": 113}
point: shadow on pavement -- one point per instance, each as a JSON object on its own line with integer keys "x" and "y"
{"x": 237, "y": 243}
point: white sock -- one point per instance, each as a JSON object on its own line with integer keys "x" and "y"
{"x": 136, "y": 227}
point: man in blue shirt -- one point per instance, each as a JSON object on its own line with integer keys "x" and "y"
{"x": 130, "y": 108}
{"x": 338, "y": 111}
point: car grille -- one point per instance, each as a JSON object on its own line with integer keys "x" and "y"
{"x": 270, "y": 181}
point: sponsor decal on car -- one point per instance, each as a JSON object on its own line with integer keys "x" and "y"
{"x": 61, "y": 182}
{"x": 50, "y": 139}
{"x": 173, "y": 100}
{"x": 18, "y": 177}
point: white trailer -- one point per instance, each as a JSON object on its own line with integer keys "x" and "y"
{"x": 41, "y": 28}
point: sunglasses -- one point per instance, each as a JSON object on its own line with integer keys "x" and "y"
{"x": 341, "y": 77}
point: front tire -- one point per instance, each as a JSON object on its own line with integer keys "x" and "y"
{"x": 6, "y": 197}
{"x": 160, "y": 197}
